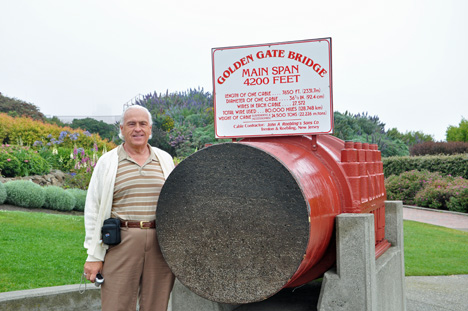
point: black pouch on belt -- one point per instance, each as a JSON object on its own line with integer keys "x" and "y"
{"x": 111, "y": 231}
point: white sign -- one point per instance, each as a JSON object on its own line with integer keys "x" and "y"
{"x": 274, "y": 89}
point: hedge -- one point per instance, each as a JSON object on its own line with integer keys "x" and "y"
{"x": 454, "y": 165}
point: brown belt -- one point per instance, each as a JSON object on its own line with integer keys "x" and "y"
{"x": 137, "y": 224}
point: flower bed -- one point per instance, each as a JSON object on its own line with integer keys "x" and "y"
{"x": 426, "y": 189}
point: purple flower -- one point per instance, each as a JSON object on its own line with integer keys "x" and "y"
{"x": 74, "y": 136}
{"x": 63, "y": 134}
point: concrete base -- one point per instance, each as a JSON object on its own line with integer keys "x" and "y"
{"x": 303, "y": 298}
{"x": 359, "y": 282}
{"x": 57, "y": 298}
{"x": 183, "y": 299}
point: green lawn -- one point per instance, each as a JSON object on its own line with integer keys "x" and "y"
{"x": 434, "y": 250}
{"x": 40, "y": 250}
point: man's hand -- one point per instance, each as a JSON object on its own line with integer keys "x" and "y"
{"x": 91, "y": 268}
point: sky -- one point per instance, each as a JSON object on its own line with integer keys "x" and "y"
{"x": 405, "y": 61}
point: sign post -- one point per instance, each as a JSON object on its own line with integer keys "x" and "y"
{"x": 276, "y": 89}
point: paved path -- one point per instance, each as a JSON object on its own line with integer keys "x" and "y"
{"x": 437, "y": 293}
{"x": 457, "y": 221}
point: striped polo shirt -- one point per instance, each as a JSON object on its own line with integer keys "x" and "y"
{"x": 137, "y": 188}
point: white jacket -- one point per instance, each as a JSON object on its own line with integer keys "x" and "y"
{"x": 100, "y": 195}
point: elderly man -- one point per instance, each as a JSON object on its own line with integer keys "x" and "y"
{"x": 125, "y": 184}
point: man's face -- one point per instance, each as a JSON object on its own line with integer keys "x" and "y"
{"x": 136, "y": 128}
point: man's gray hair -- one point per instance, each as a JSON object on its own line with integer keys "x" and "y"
{"x": 122, "y": 119}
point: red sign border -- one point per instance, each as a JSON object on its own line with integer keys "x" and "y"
{"x": 327, "y": 39}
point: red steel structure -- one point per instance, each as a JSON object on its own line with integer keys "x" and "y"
{"x": 354, "y": 177}
{"x": 232, "y": 218}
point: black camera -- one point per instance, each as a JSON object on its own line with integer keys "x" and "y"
{"x": 99, "y": 280}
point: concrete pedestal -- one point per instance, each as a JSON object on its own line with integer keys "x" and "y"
{"x": 359, "y": 281}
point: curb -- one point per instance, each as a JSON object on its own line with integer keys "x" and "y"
{"x": 66, "y": 297}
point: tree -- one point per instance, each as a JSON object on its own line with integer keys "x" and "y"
{"x": 368, "y": 129}
{"x": 459, "y": 133}
{"x": 105, "y": 130}
{"x": 410, "y": 138}
{"x": 18, "y": 108}
{"x": 55, "y": 120}
{"x": 345, "y": 125}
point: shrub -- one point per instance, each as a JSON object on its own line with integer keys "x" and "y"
{"x": 3, "y": 193}
{"x": 77, "y": 180}
{"x": 434, "y": 148}
{"x": 459, "y": 202}
{"x": 80, "y": 198}
{"x": 405, "y": 186}
{"x": 58, "y": 199}
{"x": 79, "y": 163}
{"x": 31, "y": 162}
{"x": 25, "y": 193}
{"x": 23, "y": 130}
{"x": 427, "y": 189}
{"x": 10, "y": 166}
{"x": 445, "y": 193}
{"x": 435, "y": 194}
{"x": 59, "y": 158}
{"x": 22, "y": 161}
